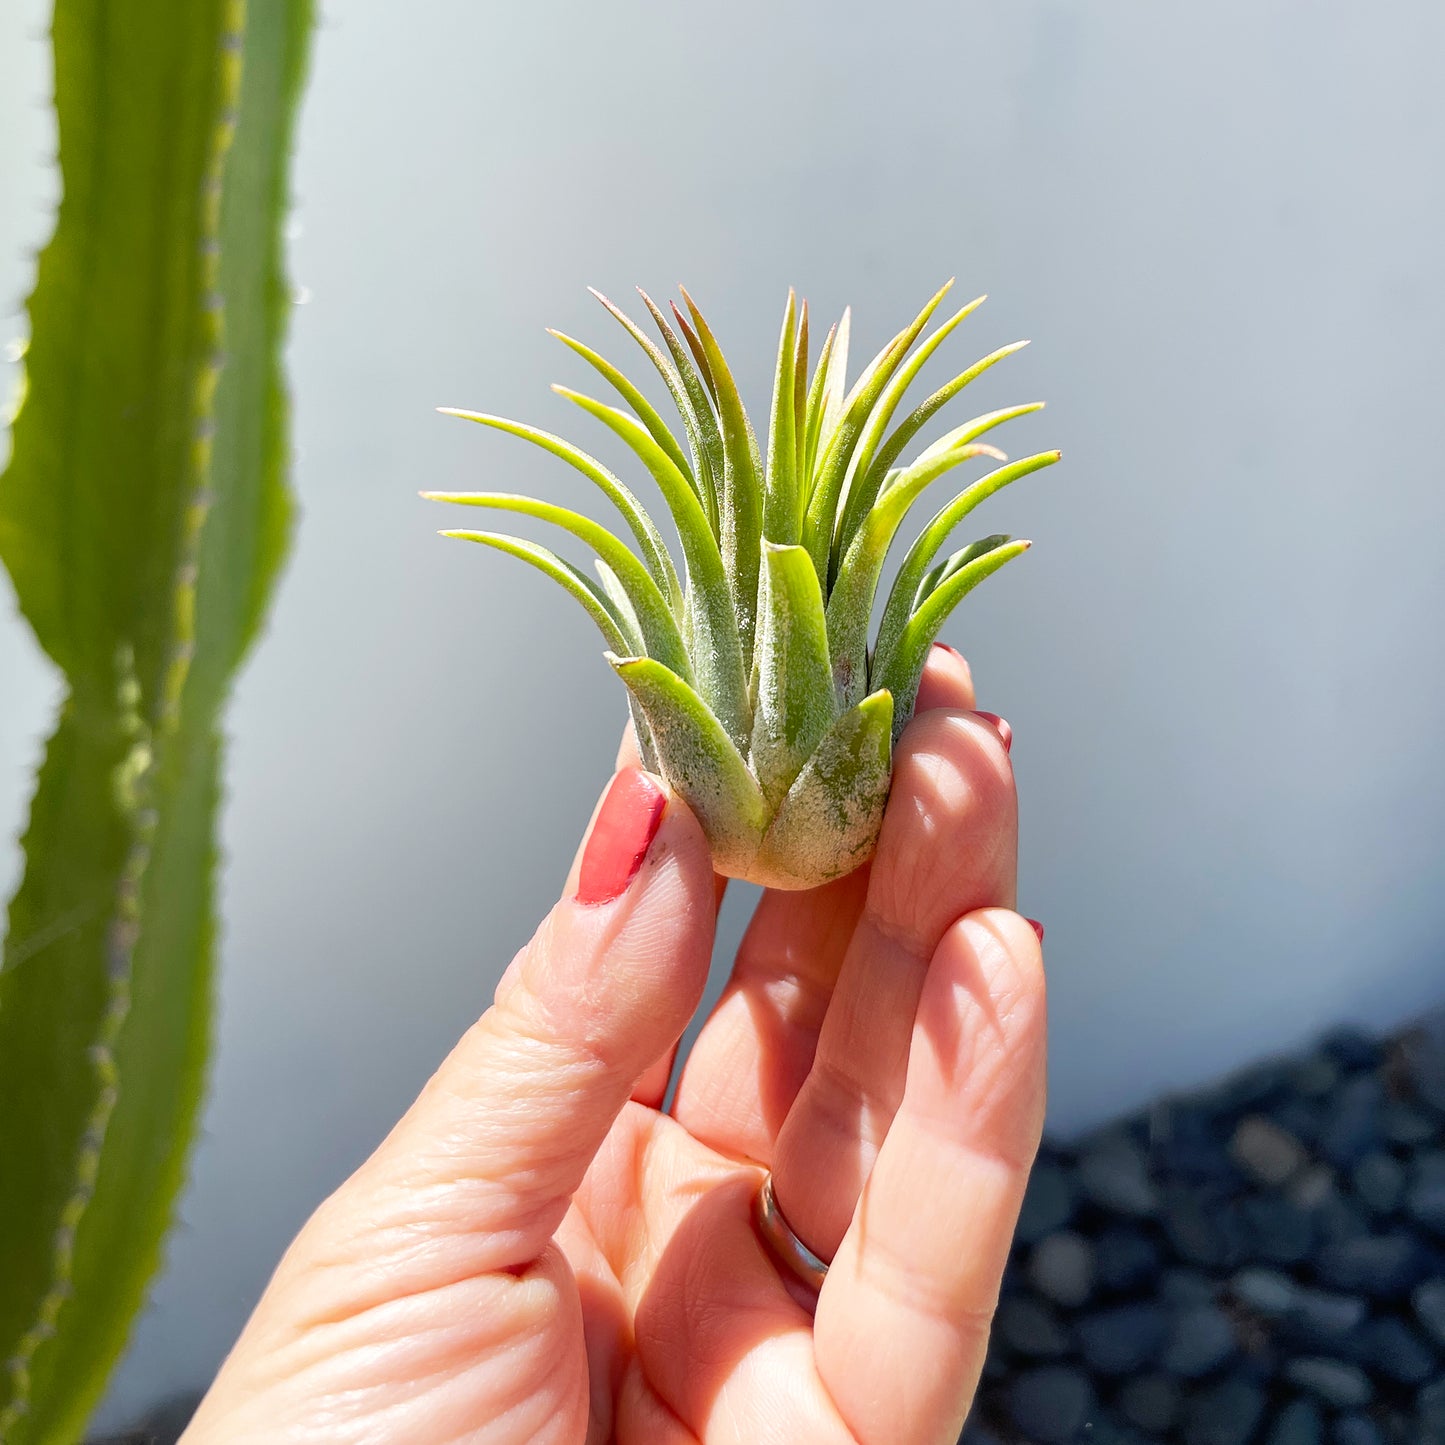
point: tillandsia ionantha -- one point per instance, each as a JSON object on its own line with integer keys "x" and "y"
{"x": 753, "y": 688}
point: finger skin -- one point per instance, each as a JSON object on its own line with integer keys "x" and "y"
{"x": 752, "y": 1055}
{"x": 414, "y": 1282}
{"x": 949, "y": 846}
{"x": 926, "y": 1249}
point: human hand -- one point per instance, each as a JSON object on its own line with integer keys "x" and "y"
{"x": 537, "y": 1253}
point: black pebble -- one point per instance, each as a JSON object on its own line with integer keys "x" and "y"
{"x": 1390, "y": 1349}
{"x": 1275, "y": 1230}
{"x": 1124, "y": 1340}
{"x": 1203, "y": 1231}
{"x": 1030, "y": 1328}
{"x": 1114, "y": 1174}
{"x": 1125, "y": 1259}
{"x": 1061, "y": 1268}
{"x": 1383, "y": 1266}
{"x": 1321, "y": 1319}
{"x": 1050, "y": 1405}
{"x": 1355, "y": 1124}
{"x": 1337, "y": 1384}
{"x": 1429, "y": 1305}
{"x": 1356, "y": 1430}
{"x": 1379, "y": 1183}
{"x": 1351, "y": 1048}
{"x": 1201, "y": 1340}
{"x": 1151, "y": 1402}
{"x": 1049, "y": 1203}
{"x": 1225, "y": 1414}
{"x": 1299, "y": 1423}
{"x": 1430, "y": 1414}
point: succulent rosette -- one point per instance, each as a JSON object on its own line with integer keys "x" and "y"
{"x": 755, "y": 687}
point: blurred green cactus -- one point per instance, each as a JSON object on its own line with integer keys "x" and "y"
{"x": 143, "y": 516}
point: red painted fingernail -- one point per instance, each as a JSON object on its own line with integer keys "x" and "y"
{"x": 627, "y": 822}
{"x": 1036, "y": 926}
{"x": 953, "y": 650}
{"x": 1001, "y": 727}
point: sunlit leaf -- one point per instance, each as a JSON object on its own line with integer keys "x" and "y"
{"x": 699, "y": 760}
{"x": 654, "y": 549}
{"x": 828, "y": 822}
{"x": 659, "y": 626}
{"x": 795, "y": 704}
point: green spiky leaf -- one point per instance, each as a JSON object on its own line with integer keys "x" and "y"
{"x": 654, "y": 549}
{"x": 850, "y": 605}
{"x": 828, "y": 822}
{"x": 795, "y": 702}
{"x": 741, "y": 501}
{"x": 659, "y": 626}
{"x": 644, "y": 409}
{"x": 900, "y": 669}
{"x": 897, "y": 612}
{"x": 700, "y": 760}
{"x": 839, "y": 443}
{"x": 715, "y": 647}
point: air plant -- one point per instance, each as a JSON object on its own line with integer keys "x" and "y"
{"x": 753, "y": 686}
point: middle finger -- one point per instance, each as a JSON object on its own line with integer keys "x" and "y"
{"x": 754, "y": 1052}
{"x": 948, "y": 847}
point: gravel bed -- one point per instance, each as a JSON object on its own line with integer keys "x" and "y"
{"x": 1262, "y": 1263}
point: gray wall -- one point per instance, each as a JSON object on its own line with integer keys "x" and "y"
{"x": 1221, "y": 223}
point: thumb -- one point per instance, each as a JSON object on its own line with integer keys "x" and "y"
{"x": 489, "y": 1156}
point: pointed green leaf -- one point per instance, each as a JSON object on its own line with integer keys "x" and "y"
{"x": 866, "y": 481}
{"x": 643, "y": 408}
{"x": 954, "y": 563}
{"x": 646, "y": 749}
{"x": 659, "y": 627}
{"x": 795, "y": 702}
{"x": 780, "y": 501}
{"x": 623, "y": 612}
{"x": 900, "y": 668}
{"x": 698, "y": 392}
{"x": 971, "y": 430}
{"x": 835, "y": 381}
{"x": 920, "y": 556}
{"x": 694, "y": 345}
{"x": 713, "y": 635}
{"x": 850, "y": 604}
{"x": 741, "y": 501}
{"x": 699, "y": 424}
{"x": 620, "y": 628}
{"x": 800, "y": 418}
{"x": 828, "y": 823}
{"x": 919, "y": 417}
{"x": 699, "y": 761}
{"x": 819, "y": 401}
{"x": 838, "y": 447}
{"x": 654, "y": 549}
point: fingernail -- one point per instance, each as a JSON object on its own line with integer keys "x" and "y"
{"x": 1001, "y": 727}
{"x": 946, "y": 648}
{"x": 1036, "y": 926}
{"x": 626, "y": 824}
